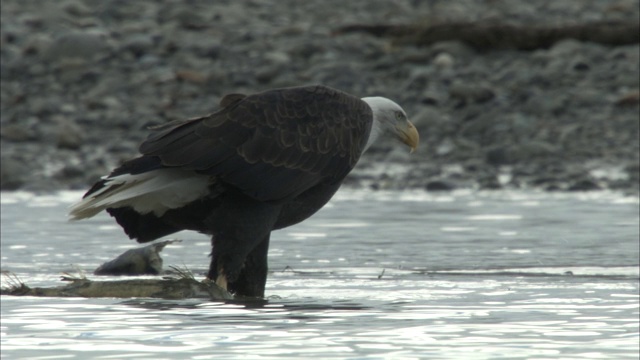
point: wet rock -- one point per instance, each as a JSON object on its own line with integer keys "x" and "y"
{"x": 565, "y": 49}
{"x": 584, "y": 185}
{"x": 629, "y": 99}
{"x": 455, "y": 49}
{"x": 139, "y": 44}
{"x": 580, "y": 65}
{"x": 489, "y": 182}
{"x": 13, "y": 173}
{"x": 498, "y": 156}
{"x": 446, "y": 147}
{"x": 37, "y": 44}
{"x": 430, "y": 97}
{"x": 444, "y": 60}
{"x": 76, "y": 8}
{"x": 18, "y": 132}
{"x": 191, "y": 20}
{"x": 306, "y": 51}
{"x": 266, "y": 74}
{"x": 192, "y": 76}
{"x": 78, "y": 46}
{"x": 410, "y": 55}
{"x": 209, "y": 50}
{"x": 439, "y": 185}
{"x": 418, "y": 81}
{"x": 69, "y": 134}
{"x": 527, "y": 151}
{"x": 70, "y": 172}
{"x": 533, "y": 149}
{"x": 471, "y": 92}
{"x": 633, "y": 171}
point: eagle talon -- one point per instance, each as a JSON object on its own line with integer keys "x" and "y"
{"x": 221, "y": 281}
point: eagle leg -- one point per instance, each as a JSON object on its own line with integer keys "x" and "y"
{"x": 240, "y": 228}
{"x": 253, "y": 277}
{"x": 226, "y": 266}
{"x": 242, "y": 275}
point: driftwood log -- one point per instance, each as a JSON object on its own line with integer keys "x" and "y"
{"x": 484, "y": 36}
{"x": 140, "y": 261}
{"x": 181, "y": 287}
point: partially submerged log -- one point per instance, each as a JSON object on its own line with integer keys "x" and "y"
{"x": 140, "y": 261}
{"x": 185, "y": 286}
{"x": 485, "y": 36}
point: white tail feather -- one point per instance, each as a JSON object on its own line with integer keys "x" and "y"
{"x": 151, "y": 192}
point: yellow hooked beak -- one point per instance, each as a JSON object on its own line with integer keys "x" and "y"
{"x": 408, "y": 134}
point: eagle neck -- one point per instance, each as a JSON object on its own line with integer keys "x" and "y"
{"x": 376, "y": 124}
{"x": 374, "y": 134}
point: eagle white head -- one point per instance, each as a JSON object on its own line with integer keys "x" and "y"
{"x": 390, "y": 118}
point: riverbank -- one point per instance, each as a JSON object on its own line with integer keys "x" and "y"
{"x": 82, "y": 80}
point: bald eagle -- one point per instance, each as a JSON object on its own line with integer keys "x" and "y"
{"x": 262, "y": 162}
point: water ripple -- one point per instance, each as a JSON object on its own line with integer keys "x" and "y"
{"x": 376, "y": 275}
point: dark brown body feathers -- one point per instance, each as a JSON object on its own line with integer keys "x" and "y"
{"x": 274, "y": 158}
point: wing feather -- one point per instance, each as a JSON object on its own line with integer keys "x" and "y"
{"x": 271, "y": 145}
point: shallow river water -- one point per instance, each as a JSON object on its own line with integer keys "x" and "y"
{"x": 374, "y": 275}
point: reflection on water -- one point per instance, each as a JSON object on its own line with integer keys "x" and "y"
{"x": 374, "y": 275}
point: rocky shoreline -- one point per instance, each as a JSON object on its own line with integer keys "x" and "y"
{"x": 82, "y": 80}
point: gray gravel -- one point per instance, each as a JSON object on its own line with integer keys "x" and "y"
{"x": 81, "y": 81}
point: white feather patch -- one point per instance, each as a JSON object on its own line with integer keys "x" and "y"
{"x": 384, "y": 117}
{"x": 151, "y": 192}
